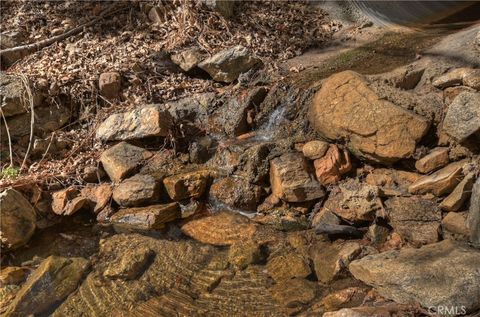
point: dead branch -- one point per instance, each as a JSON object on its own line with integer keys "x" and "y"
{"x": 8, "y": 136}
{"x": 32, "y": 118}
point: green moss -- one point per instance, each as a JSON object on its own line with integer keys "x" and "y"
{"x": 9, "y": 172}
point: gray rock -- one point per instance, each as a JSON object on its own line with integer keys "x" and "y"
{"x": 17, "y": 219}
{"x": 11, "y": 39}
{"x": 227, "y": 65}
{"x": 441, "y": 274}
{"x": 137, "y": 124}
{"x": 136, "y": 191}
{"x": 188, "y": 59}
{"x": 463, "y": 116}
{"x": 474, "y": 214}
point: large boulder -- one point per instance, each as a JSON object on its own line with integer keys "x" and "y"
{"x": 50, "y": 283}
{"x": 137, "y": 124}
{"x": 291, "y": 179}
{"x": 474, "y": 214}
{"x": 227, "y": 65}
{"x": 463, "y": 116}
{"x": 17, "y": 219}
{"x": 346, "y": 108}
{"x": 443, "y": 274}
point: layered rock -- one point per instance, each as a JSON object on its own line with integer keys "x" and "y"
{"x": 151, "y": 217}
{"x": 347, "y": 109}
{"x": 441, "y": 182}
{"x": 430, "y": 276}
{"x": 332, "y": 165}
{"x": 437, "y": 158}
{"x": 137, "y": 124}
{"x": 291, "y": 179}
{"x": 18, "y": 220}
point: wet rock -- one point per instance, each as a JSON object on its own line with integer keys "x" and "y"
{"x": 202, "y": 150}
{"x": 136, "y": 191}
{"x": 391, "y": 182}
{"x": 129, "y": 265}
{"x": 463, "y": 116}
{"x": 441, "y": 182}
{"x": 332, "y": 166}
{"x": 291, "y": 180}
{"x": 223, "y": 228}
{"x": 245, "y": 253}
{"x": 287, "y": 266}
{"x": 325, "y": 216}
{"x": 415, "y": 219}
{"x": 437, "y": 158}
{"x": 466, "y": 76}
{"x": 430, "y": 276}
{"x": 188, "y": 59}
{"x": 355, "y": 202}
{"x": 376, "y": 129}
{"x": 137, "y": 124}
{"x": 315, "y": 149}
{"x": 147, "y": 218}
{"x": 254, "y": 162}
{"x": 294, "y": 293}
{"x": 98, "y": 195}
{"x": 345, "y": 298}
{"x": 331, "y": 260}
{"x": 12, "y": 275}
{"x": 110, "y": 84}
{"x": 460, "y": 194}
{"x": 68, "y": 201}
{"x": 237, "y": 193}
{"x": 17, "y": 220}
{"x": 122, "y": 159}
{"x": 227, "y": 65}
{"x": 474, "y": 214}
{"x": 456, "y": 223}
{"x": 187, "y": 185}
{"x": 52, "y": 281}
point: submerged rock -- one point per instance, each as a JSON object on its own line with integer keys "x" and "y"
{"x": 291, "y": 180}
{"x": 17, "y": 220}
{"x": 294, "y": 293}
{"x": 245, "y": 253}
{"x": 375, "y": 129}
{"x": 431, "y": 276}
{"x": 130, "y": 264}
{"x": 50, "y": 283}
{"x": 287, "y": 266}
{"x": 227, "y": 65}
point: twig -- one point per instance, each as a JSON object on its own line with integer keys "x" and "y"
{"x": 32, "y": 119}
{"x": 8, "y": 136}
{"x": 30, "y": 48}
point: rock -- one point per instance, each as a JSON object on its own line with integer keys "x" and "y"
{"x": 187, "y": 185}
{"x": 137, "y": 124}
{"x": 237, "y": 193}
{"x": 355, "y": 202}
{"x": 110, "y": 84}
{"x": 451, "y": 93}
{"x": 378, "y": 234}
{"x": 463, "y": 116}
{"x": 325, "y": 216}
{"x": 391, "y": 182}
{"x": 335, "y": 230}
{"x": 224, "y": 7}
{"x": 366, "y": 311}
{"x": 157, "y": 14}
{"x": 315, "y": 149}
{"x": 287, "y": 266}
{"x": 415, "y": 219}
{"x": 294, "y": 293}
{"x": 188, "y": 59}
{"x": 456, "y": 223}
{"x": 68, "y": 201}
{"x": 466, "y": 76}
{"x": 254, "y": 162}
{"x": 227, "y": 65}
{"x": 92, "y": 174}
{"x": 98, "y": 195}
{"x": 17, "y": 220}
{"x": 223, "y": 228}
{"x": 437, "y": 158}
{"x": 202, "y": 150}
{"x": 13, "y": 94}
{"x": 375, "y": 129}
{"x": 11, "y": 39}
{"x": 164, "y": 163}
{"x": 50, "y": 283}
{"x": 291, "y": 180}
{"x": 245, "y": 253}
{"x": 332, "y": 166}
{"x": 439, "y": 183}
{"x": 348, "y": 297}
{"x": 122, "y": 159}
{"x": 474, "y": 215}
{"x": 12, "y": 275}
{"x": 430, "y": 276}
{"x": 460, "y": 194}
{"x": 331, "y": 260}
{"x": 136, "y": 191}
{"x": 147, "y": 218}
{"x": 130, "y": 264}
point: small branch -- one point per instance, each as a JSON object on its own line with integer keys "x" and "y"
{"x": 9, "y": 138}
{"x": 32, "y": 118}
